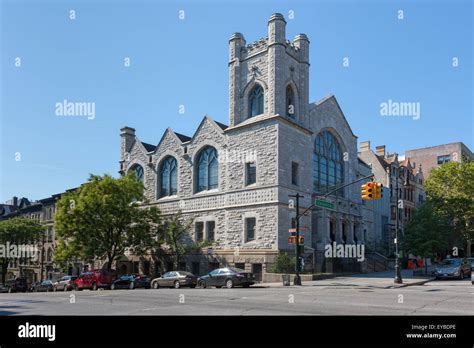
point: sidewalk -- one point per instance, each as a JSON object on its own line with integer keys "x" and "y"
{"x": 382, "y": 280}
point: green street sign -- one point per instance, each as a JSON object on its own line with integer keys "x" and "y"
{"x": 324, "y": 204}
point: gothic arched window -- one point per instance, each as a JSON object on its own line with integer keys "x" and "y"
{"x": 169, "y": 177}
{"x": 256, "y": 101}
{"x": 328, "y": 164}
{"x": 49, "y": 256}
{"x": 207, "y": 167}
{"x": 290, "y": 102}
{"x": 138, "y": 170}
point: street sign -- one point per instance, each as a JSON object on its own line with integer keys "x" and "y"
{"x": 292, "y": 240}
{"x": 324, "y": 204}
{"x": 302, "y": 228}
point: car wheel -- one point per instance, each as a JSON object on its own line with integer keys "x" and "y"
{"x": 112, "y": 286}
{"x": 192, "y": 286}
{"x": 176, "y": 284}
{"x": 94, "y": 286}
{"x": 156, "y": 285}
{"x": 202, "y": 284}
{"x": 461, "y": 275}
{"x": 132, "y": 285}
{"x": 229, "y": 284}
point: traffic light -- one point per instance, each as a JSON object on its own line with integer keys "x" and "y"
{"x": 378, "y": 190}
{"x": 367, "y": 192}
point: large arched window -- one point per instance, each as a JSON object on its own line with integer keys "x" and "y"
{"x": 256, "y": 101}
{"x": 207, "y": 167}
{"x": 328, "y": 165}
{"x": 138, "y": 170}
{"x": 290, "y": 102}
{"x": 168, "y": 177}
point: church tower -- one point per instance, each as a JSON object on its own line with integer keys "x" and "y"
{"x": 269, "y": 76}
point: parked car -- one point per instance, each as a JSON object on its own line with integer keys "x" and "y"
{"x": 453, "y": 268}
{"x": 131, "y": 282}
{"x": 99, "y": 278}
{"x": 33, "y": 286}
{"x": 65, "y": 283}
{"x": 16, "y": 285}
{"x": 175, "y": 279}
{"x": 3, "y": 288}
{"x": 44, "y": 286}
{"x": 471, "y": 260}
{"x": 228, "y": 277}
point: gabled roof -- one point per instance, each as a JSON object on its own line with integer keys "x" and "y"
{"x": 332, "y": 97}
{"x": 182, "y": 137}
{"x": 218, "y": 125}
{"x": 223, "y": 126}
{"x": 148, "y": 147}
{"x": 362, "y": 162}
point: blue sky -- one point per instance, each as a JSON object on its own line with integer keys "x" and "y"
{"x": 184, "y": 62}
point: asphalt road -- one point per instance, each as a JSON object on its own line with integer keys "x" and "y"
{"x": 434, "y": 298}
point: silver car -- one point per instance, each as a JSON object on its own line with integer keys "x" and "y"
{"x": 64, "y": 284}
{"x": 456, "y": 268}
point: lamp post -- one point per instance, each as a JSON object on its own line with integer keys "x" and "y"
{"x": 398, "y": 273}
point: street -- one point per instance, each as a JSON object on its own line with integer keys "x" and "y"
{"x": 338, "y": 296}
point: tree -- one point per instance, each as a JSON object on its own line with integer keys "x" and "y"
{"x": 174, "y": 239}
{"x": 450, "y": 188}
{"x": 176, "y": 231}
{"x": 427, "y": 234}
{"x": 284, "y": 263}
{"x": 17, "y": 231}
{"x": 102, "y": 219}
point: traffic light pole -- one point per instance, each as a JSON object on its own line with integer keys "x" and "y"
{"x": 330, "y": 193}
{"x": 297, "y": 280}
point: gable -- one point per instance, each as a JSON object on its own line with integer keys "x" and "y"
{"x": 328, "y": 113}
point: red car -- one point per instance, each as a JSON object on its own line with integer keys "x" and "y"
{"x": 98, "y": 278}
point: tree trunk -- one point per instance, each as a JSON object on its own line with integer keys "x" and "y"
{"x": 4, "y": 269}
{"x": 110, "y": 260}
{"x": 469, "y": 240}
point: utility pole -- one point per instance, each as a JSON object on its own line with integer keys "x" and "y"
{"x": 398, "y": 274}
{"x": 297, "y": 280}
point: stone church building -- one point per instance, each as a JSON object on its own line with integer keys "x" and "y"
{"x": 234, "y": 181}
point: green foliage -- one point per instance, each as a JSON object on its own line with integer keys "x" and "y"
{"x": 177, "y": 239}
{"x": 451, "y": 191}
{"x": 101, "y": 220}
{"x": 284, "y": 264}
{"x": 18, "y": 231}
{"x": 427, "y": 233}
